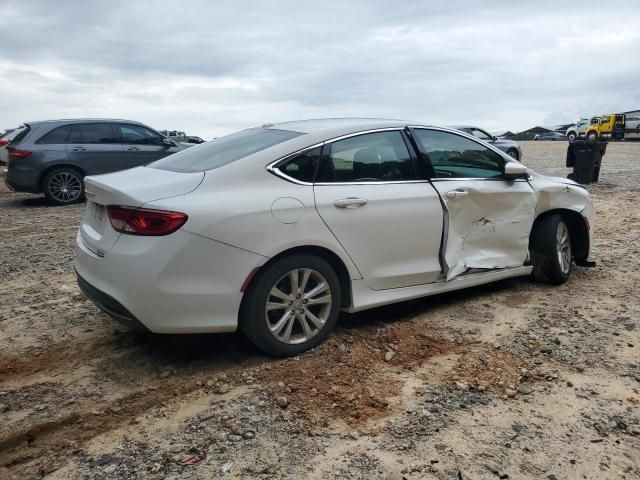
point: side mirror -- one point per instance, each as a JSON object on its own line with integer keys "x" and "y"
{"x": 167, "y": 142}
{"x": 515, "y": 170}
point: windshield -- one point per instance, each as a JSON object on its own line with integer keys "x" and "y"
{"x": 224, "y": 150}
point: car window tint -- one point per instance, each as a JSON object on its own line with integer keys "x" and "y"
{"x": 139, "y": 135}
{"x": 454, "y": 156}
{"x": 100, "y": 133}
{"x": 303, "y": 167}
{"x": 372, "y": 157}
{"x": 56, "y": 136}
{"x": 224, "y": 150}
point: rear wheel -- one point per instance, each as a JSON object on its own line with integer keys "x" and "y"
{"x": 63, "y": 186}
{"x": 551, "y": 250}
{"x": 592, "y": 136}
{"x": 292, "y": 305}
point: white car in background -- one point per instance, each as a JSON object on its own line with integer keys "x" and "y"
{"x": 578, "y": 130}
{"x": 6, "y": 139}
{"x": 276, "y": 229}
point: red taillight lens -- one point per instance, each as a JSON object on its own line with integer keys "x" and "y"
{"x": 143, "y": 221}
{"x": 16, "y": 153}
{"x": 4, "y": 143}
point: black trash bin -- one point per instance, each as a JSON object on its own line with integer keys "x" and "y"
{"x": 585, "y": 158}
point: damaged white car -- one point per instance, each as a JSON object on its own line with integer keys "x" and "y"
{"x": 276, "y": 229}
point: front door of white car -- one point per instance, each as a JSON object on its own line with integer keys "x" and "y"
{"x": 488, "y": 217}
{"x": 387, "y": 219}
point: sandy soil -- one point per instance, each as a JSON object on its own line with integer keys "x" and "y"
{"x": 510, "y": 380}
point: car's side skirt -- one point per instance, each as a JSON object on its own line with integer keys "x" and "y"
{"x": 364, "y": 297}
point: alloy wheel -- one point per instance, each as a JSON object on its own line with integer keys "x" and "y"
{"x": 563, "y": 247}
{"x": 298, "y": 306}
{"x": 65, "y": 187}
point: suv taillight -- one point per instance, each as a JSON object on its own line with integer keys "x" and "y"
{"x": 17, "y": 153}
{"x": 4, "y": 143}
{"x": 144, "y": 221}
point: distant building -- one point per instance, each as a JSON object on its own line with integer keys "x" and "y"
{"x": 530, "y": 133}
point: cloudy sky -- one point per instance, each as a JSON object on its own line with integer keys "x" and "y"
{"x": 212, "y": 67}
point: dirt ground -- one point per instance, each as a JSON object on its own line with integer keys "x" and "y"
{"x": 514, "y": 380}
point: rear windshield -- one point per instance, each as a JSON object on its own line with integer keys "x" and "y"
{"x": 16, "y": 135}
{"x": 224, "y": 150}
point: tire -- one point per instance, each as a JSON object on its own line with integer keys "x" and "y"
{"x": 592, "y": 136}
{"x": 63, "y": 186}
{"x": 513, "y": 153}
{"x": 551, "y": 250}
{"x": 572, "y": 136}
{"x": 268, "y": 328}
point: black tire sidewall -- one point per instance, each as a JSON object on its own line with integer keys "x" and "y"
{"x": 544, "y": 250}
{"x": 47, "y": 178}
{"x": 252, "y": 321}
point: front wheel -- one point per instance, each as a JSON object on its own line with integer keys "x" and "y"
{"x": 292, "y": 305}
{"x": 571, "y": 136}
{"x": 63, "y": 186}
{"x": 551, "y": 250}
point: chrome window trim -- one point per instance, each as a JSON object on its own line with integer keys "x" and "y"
{"x": 273, "y": 166}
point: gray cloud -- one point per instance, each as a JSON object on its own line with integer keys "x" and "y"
{"x": 212, "y": 67}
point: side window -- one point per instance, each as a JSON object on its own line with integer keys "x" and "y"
{"x": 372, "y": 157}
{"x": 100, "y": 133}
{"x": 303, "y": 167}
{"x": 56, "y": 136}
{"x": 138, "y": 135}
{"x": 481, "y": 134}
{"x": 453, "y": 156}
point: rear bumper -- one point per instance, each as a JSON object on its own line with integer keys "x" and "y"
{"x": 21, "y": 181}
{"x": 110, "y": 306}
{"x": 180, "y": 283}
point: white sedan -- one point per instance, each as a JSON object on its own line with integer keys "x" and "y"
{"x": 275, "y": 229}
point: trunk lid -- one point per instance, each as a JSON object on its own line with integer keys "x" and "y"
{"x": 131, "y": 188}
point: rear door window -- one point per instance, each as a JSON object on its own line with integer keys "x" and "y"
{"x": 224, "y": 150}
{"x": 93, "y": 133}
{"x": 370, "y": 157}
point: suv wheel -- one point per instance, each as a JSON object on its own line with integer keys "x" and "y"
{"x": 292, "y": 305}
{"x": 63, "y": 186}
{"x": 551, "y": 250}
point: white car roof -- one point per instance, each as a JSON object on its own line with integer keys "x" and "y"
{"x": 339, "y": 125}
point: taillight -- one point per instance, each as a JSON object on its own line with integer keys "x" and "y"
{"x": 17, "y": 153}
{"x": 143, "y": 221}
{"x": 4, "y": 143}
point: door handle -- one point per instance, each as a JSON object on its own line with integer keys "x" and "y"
{"x": 79, "y": 149}
{"x": 351, "y": 202}
{"x": 133, "y": 149}
{"x": 457, "y": 193}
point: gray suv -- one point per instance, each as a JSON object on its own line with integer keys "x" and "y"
{"x": 510, "y": 147}
{"x": 54, "y": 156}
